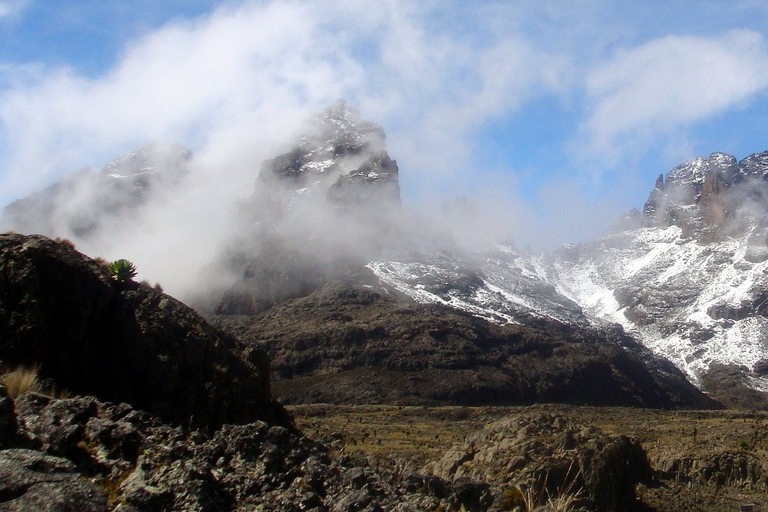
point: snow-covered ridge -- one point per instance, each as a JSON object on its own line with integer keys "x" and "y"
{"x": 671, "y": 287}
{"x": 696, "y": 300}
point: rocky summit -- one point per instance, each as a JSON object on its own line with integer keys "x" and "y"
{"x": 688, "y": 278}
{"x": 87, "y": 204}
{"x": 340, "y": 156}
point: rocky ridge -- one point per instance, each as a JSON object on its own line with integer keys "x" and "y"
{"x": 319, "y": 212}
{"x": 340, "y": 156}
{"x": 80, "y": 454}
{"x": 686, "y": 276}
{"x": 345, "y": 344}
{"x": 122, "y": 341}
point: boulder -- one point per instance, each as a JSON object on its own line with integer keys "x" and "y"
{"x": 551, "y": 459}
{"x": 31, "y": 480}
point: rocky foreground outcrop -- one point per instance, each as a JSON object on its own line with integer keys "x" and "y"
{"x": 123, "y": 342}
{"x": 80, "y": 454}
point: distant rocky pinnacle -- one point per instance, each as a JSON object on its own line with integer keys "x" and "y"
{"x": 320, "y": 212}
{"x": 689, "y": 275}
{"x": 711, "y": 197}
{"x": 340, "y": 155}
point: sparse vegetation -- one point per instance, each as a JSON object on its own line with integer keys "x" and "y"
{"x": 421, "y": 435}
{"x": 21, "y": 379}
{"x": 565, "y": 499}
{"x": 512, "y": 499}
{"x": 65, "y": 241}
{"x": 122, "y": 270}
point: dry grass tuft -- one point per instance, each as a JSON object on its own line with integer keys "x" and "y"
{"x": 21, "y": 379}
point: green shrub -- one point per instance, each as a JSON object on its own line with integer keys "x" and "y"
{"x": 122, "y": 270}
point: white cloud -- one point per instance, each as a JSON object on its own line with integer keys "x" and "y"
{"x": 9, "y": 8}
{"x": 649, "y": 91}
{"x": 245, "y": 76}
{"x": 237, "y": 83}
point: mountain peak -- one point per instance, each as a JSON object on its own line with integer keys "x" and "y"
{"x": 694, "y": 172}
{"x": 85, "y": 202}
{"x": 166, "y": 158}
{"x": 707, "y": 196}
{"x": 337, "y": 151}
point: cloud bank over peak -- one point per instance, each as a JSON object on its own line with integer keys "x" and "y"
{"x": 451, "y": 83}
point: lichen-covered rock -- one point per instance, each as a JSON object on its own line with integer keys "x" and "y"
{"x": 144, "y": 465}
{"x": 31, "y": 480}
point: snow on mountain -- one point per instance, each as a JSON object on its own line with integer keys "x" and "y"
{"x": 688, "y": 277}
{"x": 500, "y": 285}
{"x": 339, "y": 156}
{"x": 692, "y": 283}
{"x": 689, "y": 302}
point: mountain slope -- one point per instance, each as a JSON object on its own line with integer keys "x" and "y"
{"x": 690, "y": 278}
{"x": 346, "y": 344}
{"x": 124, "y": 342}
{"x": 326, "y": 213}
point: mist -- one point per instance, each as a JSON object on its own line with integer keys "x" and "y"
{"x": 211, "y": 99}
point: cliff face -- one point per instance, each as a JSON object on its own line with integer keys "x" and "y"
{"x": 690, "y": 280}
{"x": 711, "y": 198}
{"x": 123, "y": 342}
{"x": 340, "y": 156}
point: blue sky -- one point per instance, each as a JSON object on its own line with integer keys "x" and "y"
{"x": 555, "y": 116}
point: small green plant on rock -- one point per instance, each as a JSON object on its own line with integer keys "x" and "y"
{"x": 122, "y": 270}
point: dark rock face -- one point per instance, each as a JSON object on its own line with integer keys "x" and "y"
{"x": 341, "y": 155}
{"x": 321, "y": 211}
{"x": 122, "y": 342}
{"x": 355, "y": 345}
{"x": 556, "y": 459}
{"x": 729, "y": 383}
{"x": 30, "y": 480}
